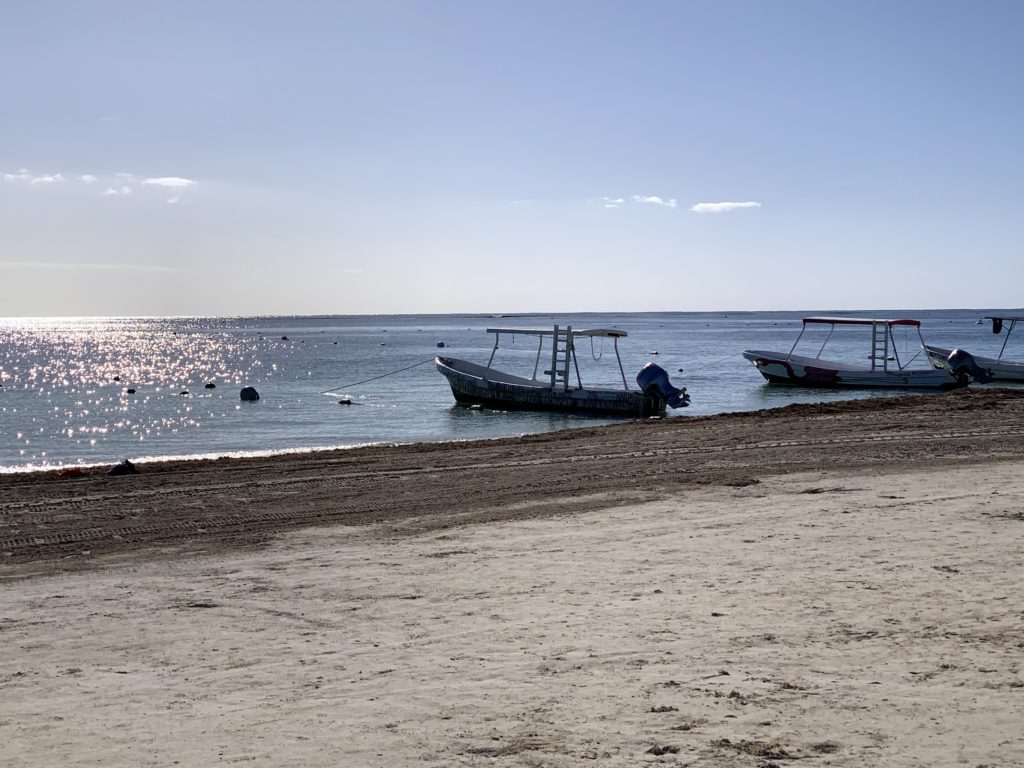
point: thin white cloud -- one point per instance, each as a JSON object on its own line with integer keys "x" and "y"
{"x": 174, "y": 182}
{"x": 608, "y": 202}
{"x": 61, "y": 265}
{"x": 24, "y": 175}
{"x": 723, "y": 207}
{"x": 655, "y": 200}
{"x": 116, "y": 184}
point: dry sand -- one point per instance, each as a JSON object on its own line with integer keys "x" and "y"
{"x": 820, "y": 585}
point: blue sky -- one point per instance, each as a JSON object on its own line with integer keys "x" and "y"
{"x": 376, "y": 157}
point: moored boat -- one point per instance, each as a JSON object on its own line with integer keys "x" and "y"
{"x": 885, "y": 369}
{"x": 475, "y": 384}
{"x": 998, "y": 368}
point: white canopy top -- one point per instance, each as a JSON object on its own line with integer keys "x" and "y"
{"x": 858, "y": 321}
{"x": 609, "y": 332}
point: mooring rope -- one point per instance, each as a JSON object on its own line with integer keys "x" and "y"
{"x": 719, "y": 362}
{"x": 383, "y": 375}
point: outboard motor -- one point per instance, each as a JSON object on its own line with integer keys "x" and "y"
{"x": 966, "y": 369}
{"x": 653, "y": 377}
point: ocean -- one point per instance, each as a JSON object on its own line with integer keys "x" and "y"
{"x": 64, "y": 382}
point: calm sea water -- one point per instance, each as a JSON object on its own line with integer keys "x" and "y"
{"x": 64, "y": 396}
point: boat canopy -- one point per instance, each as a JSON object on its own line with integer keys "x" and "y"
{"x": 563, "y": 350}
{"x": 608, "y": 332}
{"x": 859, "y": 321}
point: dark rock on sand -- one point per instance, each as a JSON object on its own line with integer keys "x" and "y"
{"x": 124, "y": 468}
{"x": 668, "y": 749}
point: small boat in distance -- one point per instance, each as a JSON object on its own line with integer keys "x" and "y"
{"x": 997, "y": 368}
{"x": 802, "y": 371}
{"x": 474, "y": 384}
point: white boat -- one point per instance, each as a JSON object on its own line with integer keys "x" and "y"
{"x": 475, "y": 384}
{"x": 885, "y": 369}
{"x": 998, "y": 369}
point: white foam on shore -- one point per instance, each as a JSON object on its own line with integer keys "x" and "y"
{"x": 268, "y": 453}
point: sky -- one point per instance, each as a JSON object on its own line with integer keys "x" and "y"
{"x": 236, "y": 158}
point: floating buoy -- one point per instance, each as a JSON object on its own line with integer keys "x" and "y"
{"x": 344, "y": 401}
{"x": 284, "y": 338}
{"x": 117, "y": 378}
{"x": 440, "y": 345}
{"x": 130, "y": 391}
{"x": 654, "y": 352}
{"x": 183, "y": 393}
{"x": 210, "y": 385}
{"x": 249, "y": 394}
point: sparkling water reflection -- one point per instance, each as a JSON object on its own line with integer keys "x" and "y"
{"x": 66, "y": 384}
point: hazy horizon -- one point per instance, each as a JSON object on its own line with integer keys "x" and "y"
{"x": 882, "y": 312}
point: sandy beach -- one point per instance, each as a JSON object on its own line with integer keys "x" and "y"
{"x": 821, "y": 584}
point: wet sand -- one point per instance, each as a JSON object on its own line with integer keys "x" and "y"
{"x": 837, "y": 584}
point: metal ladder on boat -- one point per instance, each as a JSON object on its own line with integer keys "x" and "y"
{"x": 879, "y": 346}
{"x": 561, "y": 353}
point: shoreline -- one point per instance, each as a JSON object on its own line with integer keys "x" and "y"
{"x": 92, "y": 468}
{"x": 274, "y": 453}
{"x": 50, "y": 523}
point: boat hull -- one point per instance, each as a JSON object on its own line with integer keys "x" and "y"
{"x": 795, "y": 371}
{"x": 1001, "y": 370}
{"x": 473, "y": 385}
